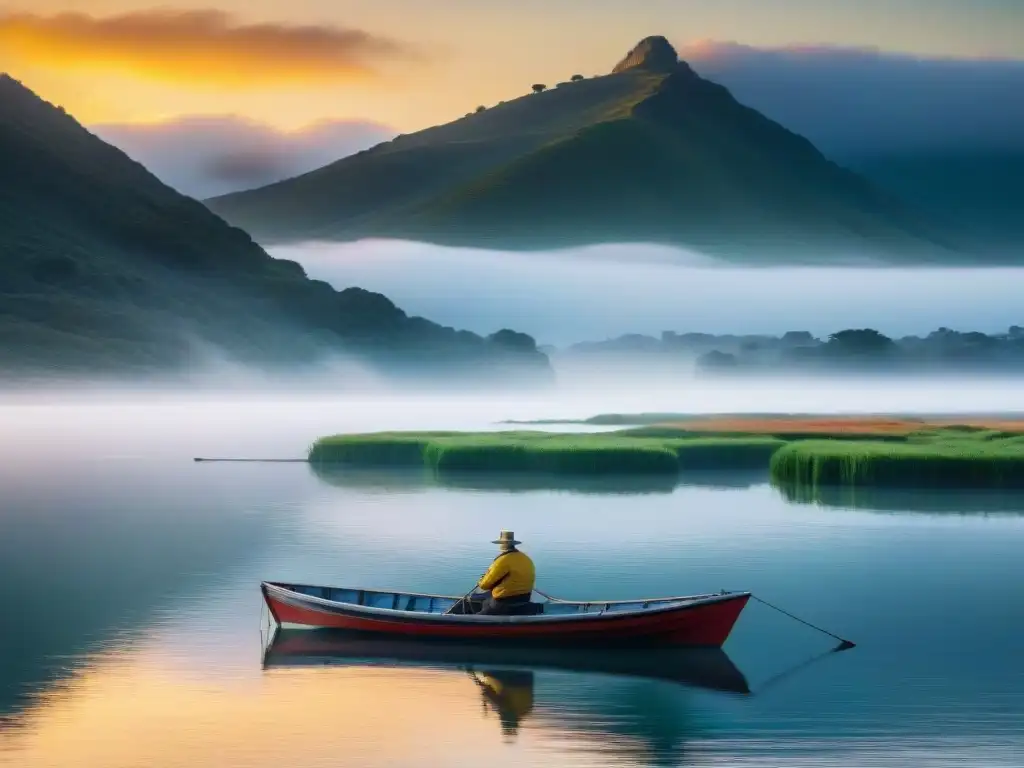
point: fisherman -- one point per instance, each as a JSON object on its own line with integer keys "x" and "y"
{"x": 509, "y": 580}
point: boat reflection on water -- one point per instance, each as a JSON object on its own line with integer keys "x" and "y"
{"x": 708, "y": 668}
{"x": 628, "y": 707}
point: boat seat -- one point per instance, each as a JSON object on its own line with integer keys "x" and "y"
{"x": 526, "y": 609}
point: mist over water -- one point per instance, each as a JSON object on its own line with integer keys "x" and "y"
{"x": 602, "y": 292}
{"x": 257, "y": 420}
{"x": 590, "y": 294}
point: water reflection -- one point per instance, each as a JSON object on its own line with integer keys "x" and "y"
{"x": 89, "y": 553}
{"x": 391, "y": 479}
{"x": 158, "y": 704}
{"x": 901, "y": 501}
{"x": 634, "y": 707}
{"x": 130, "y": 710}
{"x": 509, "y": 692}
{"x": 708, "y": 668}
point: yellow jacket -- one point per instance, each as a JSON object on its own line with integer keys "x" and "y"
{"x": 510, "y": 574}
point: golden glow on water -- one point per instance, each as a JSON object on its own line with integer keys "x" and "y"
{"x": 142, "y": 710}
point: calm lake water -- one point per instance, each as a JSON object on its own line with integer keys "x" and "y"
{"x": 132, "y": 616}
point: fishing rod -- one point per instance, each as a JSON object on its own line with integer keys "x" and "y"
{"x": 263, "y": 461}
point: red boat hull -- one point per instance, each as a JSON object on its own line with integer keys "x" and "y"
{"x": 704, "y": 623}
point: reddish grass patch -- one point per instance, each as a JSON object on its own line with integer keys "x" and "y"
{"x": 859, "y": 425}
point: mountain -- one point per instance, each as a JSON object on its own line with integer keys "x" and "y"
{"x": 650, "y": 152}
{"x": 977, "y": 191}
{"x": 945, "y": 135}
{"x": 104, "y": 269}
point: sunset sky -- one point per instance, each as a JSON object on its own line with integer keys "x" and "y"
{"x": 413, "y": 63}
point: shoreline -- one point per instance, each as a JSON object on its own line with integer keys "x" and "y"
{"x": 657, "y": 418}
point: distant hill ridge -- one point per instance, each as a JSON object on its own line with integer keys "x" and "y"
{"x": 648, "y": 153}
{"x": 103, "y": 268}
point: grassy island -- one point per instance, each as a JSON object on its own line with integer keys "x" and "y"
{"x": 577, "y": 454}
{"x": 944, "y": 459}
{"x": 801, "y": 453}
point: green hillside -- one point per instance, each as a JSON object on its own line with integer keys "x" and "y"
{"x": 976, "y": 190}
{"x": 650, "y": 152}
{"x": 105, "y": 269}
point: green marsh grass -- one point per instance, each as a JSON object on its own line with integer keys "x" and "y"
{"x": 374, "y": 449}
{"x": 737, "y": 452}
{"x": 570, "y": 454}
{"x": 935, "y": 460}
{"x": 955, "y": 457}
{"x": 669, "y": 431}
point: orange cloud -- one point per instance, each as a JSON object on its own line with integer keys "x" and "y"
{"x": 197, "y": 47}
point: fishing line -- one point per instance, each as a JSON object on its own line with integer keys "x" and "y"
{"x": 844, "y": 644}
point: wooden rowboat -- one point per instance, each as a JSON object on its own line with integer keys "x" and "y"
{"x": 706, "y": 668}
{"x": 690, "y": 621}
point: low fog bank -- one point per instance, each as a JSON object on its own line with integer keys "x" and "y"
{"x": 603, "y": 292}
{"x": 589, "y": 387}
{"x": 45, "y": 427}
{"x": 213, "y": 372}
{"x": 259, "y": 403}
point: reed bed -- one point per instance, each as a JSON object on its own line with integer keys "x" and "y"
{"x": 800, "y": 425}
{"x": 376, "y": 449}
{"x": 740, "y": 453}
{"x": 932, "y": 461}
{"x": 955, "y": 456}
{"x": 688, "y": 431}
{"x": 547, "y": 452}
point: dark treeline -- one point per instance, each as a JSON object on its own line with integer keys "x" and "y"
{"x": 801, "y": 351}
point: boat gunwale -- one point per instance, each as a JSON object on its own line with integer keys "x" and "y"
{"x": 673, "y": 605}
{"x": 287, "y": 586}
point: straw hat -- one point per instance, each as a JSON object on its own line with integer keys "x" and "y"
{"x": 506, "y": 537}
